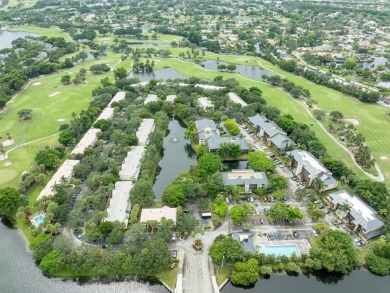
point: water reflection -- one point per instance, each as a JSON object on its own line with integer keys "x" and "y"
{"x": 252, "y": 72}
{"x": 178, "y": 156}
{"x": 6, "y": 38}
{"x": 165, "y": 73}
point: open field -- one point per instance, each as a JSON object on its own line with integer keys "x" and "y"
{"x": 49, "y": 32}
{"x": 374, "y": 120}
{"x": 50, "y": 101}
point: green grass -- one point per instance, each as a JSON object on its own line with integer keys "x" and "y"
{"x": 49, "y": 32}
{"x": 221, "y": 274}
{"x": 169, "y": 277}
{"x": 274, "y": 97}
{"x": 46, "y": 111}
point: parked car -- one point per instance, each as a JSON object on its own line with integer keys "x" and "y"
{"x": 316, "y": 201}
{"x": 257, "y": 212}
{"x": 284, "y": 198}
{"x": 174, "y": 253}
{"x": 262, "y": 221}
{"x": 227, "y": 200}
{"x": 337, "y": 222}
{"x": 173, "y": 236}
{"x": 251, "y": 199}
{"x": 321, "y": 207}
{"x": 315, "y": 234}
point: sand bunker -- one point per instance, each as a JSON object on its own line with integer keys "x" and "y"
{"x": 61, "y": 120}
{"x": 8, "y": 142}
{"x": 353, "y": 121}
{"x": 53, "y": 94}
{"x": 36, "y": 83}
{"x": 7, "y": 164}
{"x": 384, "y": 157}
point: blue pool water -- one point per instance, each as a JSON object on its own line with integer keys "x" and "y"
{"x": 286, "y": 250}
{"x": 39, "y": 219}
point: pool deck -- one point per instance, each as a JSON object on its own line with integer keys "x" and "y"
{"x": 302, "y": 244}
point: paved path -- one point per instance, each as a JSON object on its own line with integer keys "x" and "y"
{"x": 5, "y": 155}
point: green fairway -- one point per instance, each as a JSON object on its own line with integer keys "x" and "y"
{"x": 274, "y": 97}
{"x": 374, "y": 119}
{"x": 52, "y": 104}
{"x": 49, "y": 32}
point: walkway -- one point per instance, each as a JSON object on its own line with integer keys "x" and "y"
{"x": 5, "y": 155}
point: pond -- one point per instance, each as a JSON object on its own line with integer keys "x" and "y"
{"x": 359, "y": 281}
{"x": 230, "y": 165}
{"x": 178, "y": 156}
{"x": 6, "y": 38}
{"x": 165, "y": 73}
{"x": 252, "y": 72}
{"x": 19, "y": 273}
{"x": 150, "y": 45}
{"x": 378, "y": 60}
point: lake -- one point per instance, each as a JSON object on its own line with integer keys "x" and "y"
{"x": 378, "y": 60}
{"x": 252, "y": 72}
{"x": 150, "y": 45}
{"x": 178, "y": 156}
{"x": 6, "y": 38}
{"x": 19, "y": 273}
{"x": 165, "y": 73}
{"x": 359, "y": 281}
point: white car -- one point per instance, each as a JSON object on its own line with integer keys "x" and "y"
{"x": 315, "y": 234}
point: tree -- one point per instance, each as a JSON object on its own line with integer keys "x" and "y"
{"x": 245, "y": 273}
{"x": 316, "y": 214}
{"x": 50, "y": 262}
{"x": 120, "y": 73}
{"x": 186, "y": 223}
{"x": 50, "y": 158}
{"x": 278, "y": 182}
{"x": 336, "y": 115}
{"x": 24, "y": 114}
{"x": 232, "y": 127}
{"x": 142, "y": 193}
{"x": 231, "y": 67}
{"x": 229, "y": 150}
{"x": 209, "y": 164}
{"x": 239, "y": 213}
{"x": 134, "y": 214}
{"x": 165, "y": 229}
{"x": 318, "y": 184}
{"x": 10, "y": 201}
{"x": 319, "y": 114}
{"x": 258, "y": 161}
{"x": 220, "y": 207}
{"x": 334, "y": 251}
{"x": 173, "y": 195}
{"x": 225, "y": 249}
{"x": 65, "y": 79}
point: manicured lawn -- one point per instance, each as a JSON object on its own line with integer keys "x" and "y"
{"x": 221, "y": 274}
{"x": 169, "y": 277}
{"x": 53, "y": 31}
{"x": 274, "y": 97}
{"x": 47, "y": 109}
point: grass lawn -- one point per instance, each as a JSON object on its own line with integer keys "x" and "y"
{"x": 221, "y": 274}
{"x": 47, "y": 109}
{"x": 53, "y": 31}
{"x": 274, "y": 97}
{"x": 169, "y": 277}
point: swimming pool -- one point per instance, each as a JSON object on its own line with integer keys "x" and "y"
{"x": 286, "y": 250}
{"x": 39, "y": 219}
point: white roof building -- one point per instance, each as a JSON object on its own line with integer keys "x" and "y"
{"x": 132, "y": 164}
{"x": 150, "y": 98}
{"x": 158, "y": 214}
{"x": 88, "y": 139}
{"x": 236, "y": 99}
{"x": 205, "y": 103}
{"x": 65, "y": 171}
{"x": 107, "y": 113}
{"x": 170, "y": 98}
{"x": 119, "y": 205}
{"x": 117, "y": 98}
{"x": 146, "y": 127}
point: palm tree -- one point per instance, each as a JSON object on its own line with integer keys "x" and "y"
{"x": 288, "y": 159}
{"x": 318, "y": 185}
{"x": 345, "y": 207}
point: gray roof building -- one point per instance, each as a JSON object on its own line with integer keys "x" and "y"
{"x": 267, "y": 126}
{"x": 362, "y": 216}
{"x": 215, "y": 141}
{"x": 206, "y": 128}
{"x": 281, "y": 141}
{"x": 247, "y": 178}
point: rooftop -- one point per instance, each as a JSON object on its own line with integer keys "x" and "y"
{"x": 311, "y": 164}
{"x": 215, "y": 141}
{"x": 236, "y": 99}
{"x": 158, "y": 213}
{"x": 119, "y": 205}
{"x": 150, "y": 98}
{"x": 88, "y": 139}
{"x": 170, "y": 98}
{"x": 146, "y": 127}
{"x": 107, "y": 113}
{"x": 131, "y": 164}
{"x": 245, "y": 174}
{"x": 117, "y": 98}
{"x": 65, "y": 171}
{"x": 205, "y": 103}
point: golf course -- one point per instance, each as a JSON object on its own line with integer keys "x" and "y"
{"x": 53, "y": 103}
